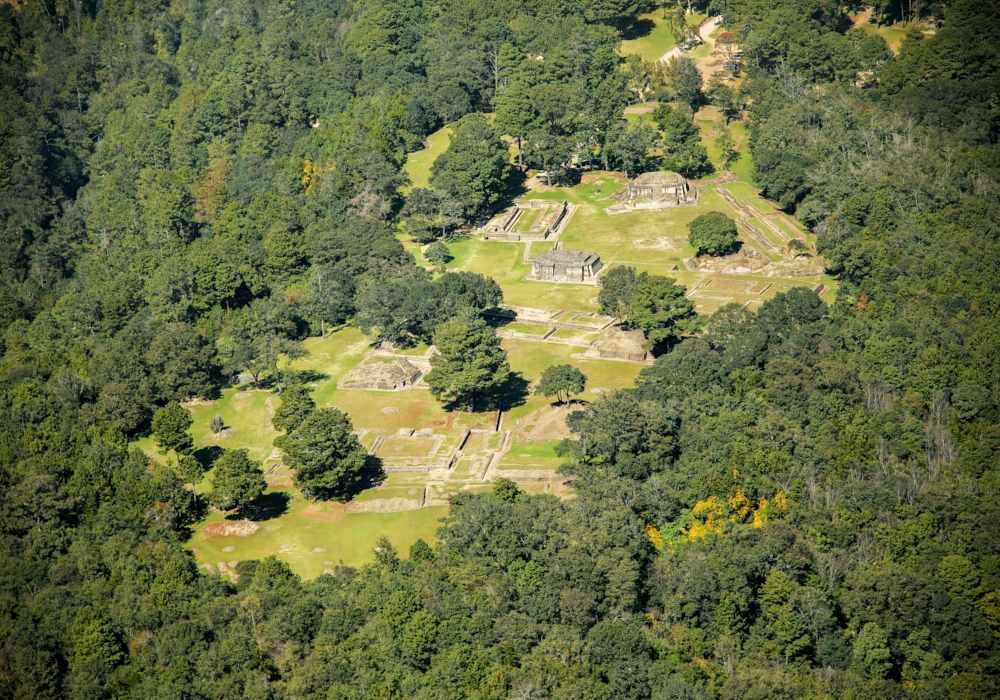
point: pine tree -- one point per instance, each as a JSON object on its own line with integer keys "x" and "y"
{"x": 238, "y": 480}
{"x": 296, "y": 406}
{"x": 170, "y": 425}
{"x": 469, "y": 361}
{"x": 326, "y": 456}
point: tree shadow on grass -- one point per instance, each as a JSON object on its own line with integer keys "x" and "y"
{"x": 267, "y": 507}
{"x": 512, "y": 393}
{"x": 308, "y": 376}
{"x": 372, "y": 476}
{"x": 640, "y": 28}
{"x": 206, "y": 456}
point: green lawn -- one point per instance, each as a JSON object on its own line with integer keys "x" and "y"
{"x": 418, "y": 164}
{"x": 347, "y": 537}
{"x": 531, "y": 358}
{"x": 649, "y": 37}
{"x": 502, "y": 262}
{"x": 526, "y": 454}
{"x": 613, "y": 237}
{"x": 893, "y": 34}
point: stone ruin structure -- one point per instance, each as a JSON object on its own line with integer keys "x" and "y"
{"x": 658, "y": 190}
{"x": 505, "y": 225}
{"x": 565, "y": 266}
{"x": 744, "y": 261}
{"x": 618, "y": 344}
{"x": 396, "y": 375}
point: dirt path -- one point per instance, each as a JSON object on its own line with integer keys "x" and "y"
{"x": 708, "y": 65}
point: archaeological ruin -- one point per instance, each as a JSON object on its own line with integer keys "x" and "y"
{"x": 395, "y": 375}
{"x": 657, "y": 190}
{"x": 565, "y": 266}
{"x": 531, "y": 220}
{"x": 618, "y": 344}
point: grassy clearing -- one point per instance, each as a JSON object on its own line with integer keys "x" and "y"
{"x": 892, "y": 33}
{"x": 649, "y": 37}
{"x": 502, "y": 262}
{"x": 418, "y": 164}
{"x": 529, "y": 328}
{"x": 614, "y": 237}
{"x": 531, "y": 358}
{"x": 347, "y": 538}
{"x": 526, "y": 454}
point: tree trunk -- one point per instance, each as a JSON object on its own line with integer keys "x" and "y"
{"x": 520, "y": 154}
{"x": 322, "y": 329}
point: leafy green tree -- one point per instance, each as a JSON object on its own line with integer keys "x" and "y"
{"x": 713, "y": 234}
{"x": 515, "y": 114}
{"x": 475, "y": 166}
{"x": 190, "y": 470}
{"x": 611, "y": 12}
{"x": 237, "y": 481}
{"x": 329, "y": 298}
{"x": 181, "y": 362}
{"x": 662, "y": 311}
{"x": 960, "y": 577}
{"x": 438, "y": 254}
{"x": 419, "y": 638}
{"x": 723, "y": 97}
{"x": 95, "y": 640}
{"x": 430, "y": 214}
{"x": 326, "y": 456}
{"x": 560, "y": 380}
{"x": 547, "y": 151}
{"x": 469, "y": 361}
{"x": 421, "y": 551}
{"x": 629, "y": 148}
{"x": 123, "y": 406}
{"x": 633, "y": 438}
{"x": 685, "y": 81}
{"x": 727, "y": 147}
{"x": 683, "y": 151}
{"x": 296, "y": 405}
{"x": 871, "y": 656}
{"x": 618, "y": 288}
{"x": 506, "y": 490}
{"x": 170, "y": 426}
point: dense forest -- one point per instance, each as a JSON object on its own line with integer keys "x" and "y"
{"x": 797, "y": 502}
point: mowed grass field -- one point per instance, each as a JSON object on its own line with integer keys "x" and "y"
{"x": 418, "y": 165}
{"x": 307, "y": 526}
{"x": 649, "y": 37}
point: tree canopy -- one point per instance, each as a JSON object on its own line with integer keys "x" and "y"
{"x": 326, "y": 456}
{"x": 713, "y": 233}
{"x": 793, "y": 501}
{"x": 469, "y": 362}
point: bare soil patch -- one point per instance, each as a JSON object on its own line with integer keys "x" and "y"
{"x": 197, "y": 401}
{"x": 548, "y": 423}
{"x": 708, "y": 114}
{"x": 230, "y": 528}
{"x": 223, "y": 434}
{"x": 384, "y": 505}
{"x": 389, "y": 410}
{"x": 325, "y": 510}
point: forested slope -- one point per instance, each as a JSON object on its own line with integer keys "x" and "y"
{"x": 800, "y": 502}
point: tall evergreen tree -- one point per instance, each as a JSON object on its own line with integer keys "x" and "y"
{"x": 469, "y": 362}
{"x": 237, "y": 480}
{"x": 326, "y": 456}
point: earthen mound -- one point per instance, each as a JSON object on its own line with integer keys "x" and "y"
{"x": 232, "y": 528}
{"x": 746, "y": 260}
